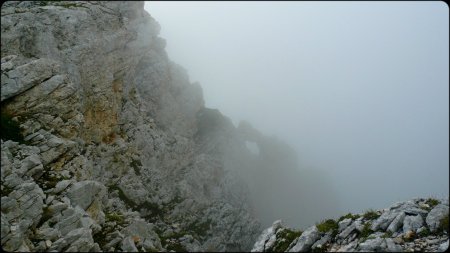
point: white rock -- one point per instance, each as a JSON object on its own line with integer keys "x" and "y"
{"x": 306, "y": 240}
{"x": 344, "y": 224}
{"x": 443, "y": 247}
{"x": 128, "y": 245}
{"x": 396, "y": 223}
{"x": 412, "y": 223}
{"x": 435, "y": 215}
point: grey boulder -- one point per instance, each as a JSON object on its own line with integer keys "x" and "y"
{"x": 435, "y": 216}
{"x": 306, "y": 240}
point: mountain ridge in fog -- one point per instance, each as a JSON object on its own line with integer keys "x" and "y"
{"x": 359, "y": 90}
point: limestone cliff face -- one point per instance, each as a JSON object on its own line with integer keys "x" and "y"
{"x": 108, "y": 144}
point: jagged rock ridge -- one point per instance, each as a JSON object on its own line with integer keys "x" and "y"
{"x": 415, "y": 225}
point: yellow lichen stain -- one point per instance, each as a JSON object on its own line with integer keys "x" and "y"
{"x": 117, "y": 85}
{"x": 59, "y": 164}
{"x": 136, "y": 239}
{"x": 101, "y": 113}
{"x": 94, "y": 210}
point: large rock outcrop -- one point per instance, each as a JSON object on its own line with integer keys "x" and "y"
{"x": 106, "y": 144}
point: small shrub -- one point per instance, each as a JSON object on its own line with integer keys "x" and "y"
{"x": 366, "y": 231}
{"x": 200, "y": 229}
{"x": 349, "y": 216}
{"x": 284, "y": 238}
{"x": 432, "y": 202}
{"x": 371, "y": 215}
{"x": 175, "y": 246}
{"x": 122, "y": 196}
{"x": 443, "y": 226}
{"x": 322, "y": 248}
{"x": 46, "y": 215}
{"x": 5, "y": 190}
{"x": 388, "y": 234}
{"x": 327, "y": 225}
{"x": 424, "y": 233}
{"x": 117, "y": 217}
{"x": 136, "y": 164}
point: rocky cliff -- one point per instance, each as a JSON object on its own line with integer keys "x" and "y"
{"x": 415, "y": 225}
{"x": 106, "y": 144}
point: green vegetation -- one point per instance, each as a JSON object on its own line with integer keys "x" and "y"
{"x": 122, "y": 196}
{"x": 388, "y": 234}
{"x": 60, "y": 3}
{"x": 46, "y": 215}
{"x": 322, "y": 248}
{"x": 100, "y": 237}
{"x": 328, "y": 225}
{"x": 285, "y": 237}
{"x": 10, "y": 129}
{"x": 136, "y": 164}
{"x": 432, "y": 202}
{"x": 366, "y": 231}
{"x": 199, "y": 228}
{"x": 5, "y": 190}
{"x": 443, "y": 226}
{"x": 174, "y": 245}
{"x": 371, "y": 215}
{"x": 116, "y": 217}
{"x": 171, "y": 242}
{"x": 349, "y": 216}
{"x": 424, "y": 233}
{"x": 156, "y": 211}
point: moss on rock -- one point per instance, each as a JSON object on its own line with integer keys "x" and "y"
{"x": 371, "y": 215}
{"x": 328, "y": 225}
{"x": 285, "y": 237}
{"x": 349, "y": 216}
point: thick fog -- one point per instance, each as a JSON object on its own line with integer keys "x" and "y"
{"x": 360, "y": 90}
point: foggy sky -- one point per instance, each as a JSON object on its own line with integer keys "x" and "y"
{"x": 360, "y": 90}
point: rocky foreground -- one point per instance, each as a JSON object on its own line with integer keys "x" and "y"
{"x": 416, "y": 225}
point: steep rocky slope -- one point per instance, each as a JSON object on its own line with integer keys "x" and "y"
{"x": 416, "y": 225}
{"x": 106, "y": 145}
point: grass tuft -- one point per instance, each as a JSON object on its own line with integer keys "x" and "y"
{"x": 366, "y": 231}
{"x": 371, "y": 215}
{"x": 443, "y": 225}
{"x": 327, "y": 225}
{"x": 349, "y": 216}
{"x": 432, "y": 202}
{"x": 285, "y": 237}
{"x": 424, "y": 233}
